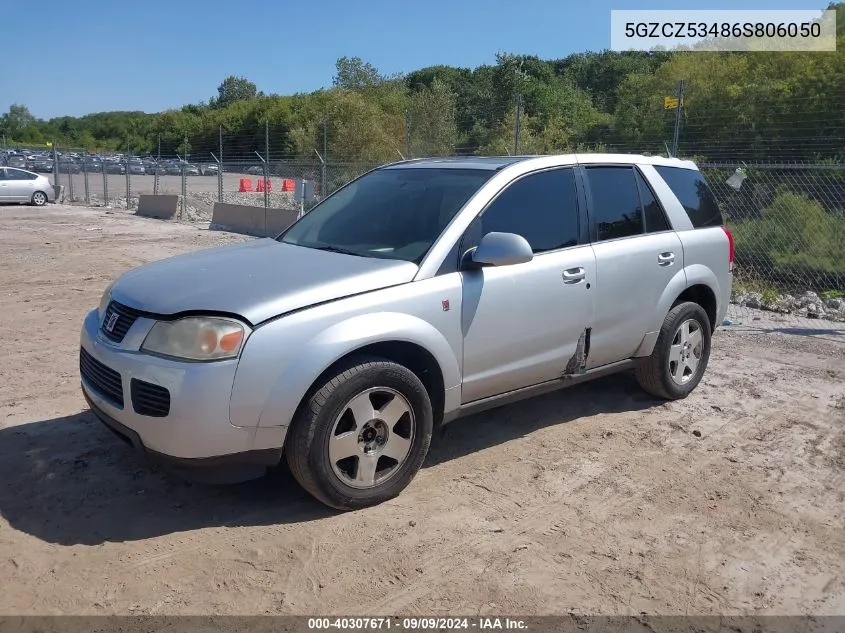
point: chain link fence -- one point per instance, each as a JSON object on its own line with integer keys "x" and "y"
{"x": 788, "y": 223}
{"x": 788, "y": 220}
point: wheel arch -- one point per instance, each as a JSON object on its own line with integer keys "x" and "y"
{"x": 402, "y": 338}
{"x": 409, "y": 354}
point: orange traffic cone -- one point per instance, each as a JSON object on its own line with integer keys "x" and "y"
{"x": 246, "y": 185}
{"x": 259, "y": 185}
{"x": 288, "y": 184}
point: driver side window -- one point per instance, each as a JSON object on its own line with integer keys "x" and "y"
{"x": 541, "y": 207}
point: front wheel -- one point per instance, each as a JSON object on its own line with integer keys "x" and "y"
{"x": 39, "y": 198}
{"x": 362, "y": 435}
{"x": 680, "y": 354}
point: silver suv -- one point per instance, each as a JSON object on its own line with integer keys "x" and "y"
{"x": 420, "y": 292}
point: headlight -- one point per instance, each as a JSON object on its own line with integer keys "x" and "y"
{"x": 197, "y": 338}
{"x": 104, "y": 302}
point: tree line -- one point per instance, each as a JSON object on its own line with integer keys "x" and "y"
{"x": 736, "y": 106}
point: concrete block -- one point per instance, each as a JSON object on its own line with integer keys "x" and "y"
{"x": 163, "y": 207}
{"x": 248, "y": 220}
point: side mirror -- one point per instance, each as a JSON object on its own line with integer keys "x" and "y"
{"x": 499, "y": 249}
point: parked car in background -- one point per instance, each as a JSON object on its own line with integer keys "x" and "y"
{"x": 173, "y": 168}
{"x": 150, "y": 166}
{"x": 421, "y": 292}
{"x": 68, "y": 165}
{"x": 209, "y": 169}
{"x": 16, "y": 160}
{"x": 42, "y": 164}
{"x": 191, "y": 170}
{"x": 136, "y": 167}
{"x": 20, "y": 185}
{"x": 113, "y": 167}
{"x": 92, "y": 164}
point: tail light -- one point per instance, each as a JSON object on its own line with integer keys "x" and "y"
{"x": 730, "y": 248}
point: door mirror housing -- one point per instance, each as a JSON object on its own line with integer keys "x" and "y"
{"x": 499, "y": 249}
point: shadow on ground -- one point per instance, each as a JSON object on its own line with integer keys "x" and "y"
{"x": 70, "y": 481}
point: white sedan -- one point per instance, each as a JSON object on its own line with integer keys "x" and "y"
{"x": 19, "y": 185}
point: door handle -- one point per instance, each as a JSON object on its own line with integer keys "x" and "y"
{"x": 665, "y": 259}
{"x": 574, "y": 275}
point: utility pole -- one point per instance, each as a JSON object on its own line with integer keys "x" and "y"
{"x": 324, "y": 184}
{"x": 678, "y": 118}
{"x": 517, "y": 128}
{"x": 408, "y": 134}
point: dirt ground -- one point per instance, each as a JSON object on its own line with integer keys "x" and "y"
{"x": 594, "y": 500}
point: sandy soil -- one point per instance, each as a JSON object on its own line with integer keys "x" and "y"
{"x": 594, "y": 500}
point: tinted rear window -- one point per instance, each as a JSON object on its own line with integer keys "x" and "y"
{"x": 695, "y": 196}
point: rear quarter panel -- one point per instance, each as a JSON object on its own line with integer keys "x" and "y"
{"x": 706, "y": 258}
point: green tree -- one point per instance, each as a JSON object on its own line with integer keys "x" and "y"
{"x": 353, "y": 73}
{"x": 234, "y": 89}
{"x": 16, "y": 119}
{"x": 431, "y": 116}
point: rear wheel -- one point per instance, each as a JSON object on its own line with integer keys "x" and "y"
{"x": 680, "y": 355}
{"x": 39, "y": 198}
{"x": 362, "y": 435}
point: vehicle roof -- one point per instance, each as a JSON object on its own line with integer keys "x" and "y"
{"x": 499, "y": 162}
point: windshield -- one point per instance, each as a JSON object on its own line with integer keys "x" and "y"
{"x": 390, "y": 213}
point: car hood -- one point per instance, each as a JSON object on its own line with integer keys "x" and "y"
{"x": 257, "y": 280}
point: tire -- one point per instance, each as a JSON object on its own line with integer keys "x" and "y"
{"x": 329, "y": 447}
{"x": 669, "y": 373}
{"x": 39, "y": 199}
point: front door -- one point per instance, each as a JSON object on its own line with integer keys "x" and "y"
{"x": 522, "y": 323}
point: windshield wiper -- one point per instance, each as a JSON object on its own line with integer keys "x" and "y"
{"x": 337, "y": 249}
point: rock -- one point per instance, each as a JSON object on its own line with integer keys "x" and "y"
{"x": 807, "y": 299}
{"x": 786, "y": 304}
{"x": 835, "y": 305}
{"x": 753, "y": 300}
{"x": 697, "y": 433}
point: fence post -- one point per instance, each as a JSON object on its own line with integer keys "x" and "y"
{"x": 678, "y": 118}
{"x": 128, "y": 177}
{"x": 69, "y": 182}
{"x": 184, "y": 182}
{"x": 266, "y": 172}
{"x": 158, "y": 162}
{"x": 517, "y": 127}
{"x": 408, "y": 135}
{"x": 85, "y": 175}
{"x": 56, "y": 164}
{"x": 220, "y": 168}
{"x": 105, "y": 183}
{"x": 324, "y": 184}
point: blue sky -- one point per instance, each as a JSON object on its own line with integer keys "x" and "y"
{"x": 90, "y": 56}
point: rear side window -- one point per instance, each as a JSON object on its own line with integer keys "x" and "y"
{"x": 655, "y": 219}
{"x": 616, "y": 202}
{"x": 695, "y": 196}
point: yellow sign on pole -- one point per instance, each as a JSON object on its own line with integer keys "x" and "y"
{"x": 670, "y": 103}
{"x": 49, "y": 143}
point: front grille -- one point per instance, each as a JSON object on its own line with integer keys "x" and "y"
{"x": 125, "y": 317}
{"x": 100, "y": 378}
{"x": 149, "y": 399}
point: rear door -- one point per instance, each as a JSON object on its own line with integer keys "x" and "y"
{"x": 4, "y": 186}
{"x": 637, "y": 254}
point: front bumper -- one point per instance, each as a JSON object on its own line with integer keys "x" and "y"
{"x": 196, "y": 433}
